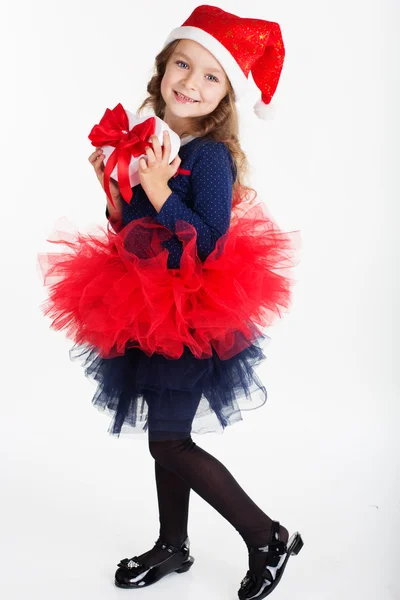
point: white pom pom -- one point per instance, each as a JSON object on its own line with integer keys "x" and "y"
{"x": 266, "y": 112}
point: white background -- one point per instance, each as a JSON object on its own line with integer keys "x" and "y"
{"x": 322, "y": 455}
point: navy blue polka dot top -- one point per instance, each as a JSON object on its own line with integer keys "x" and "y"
{"x": 201, "y": 194}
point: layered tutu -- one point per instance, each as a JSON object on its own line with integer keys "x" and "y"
{"x": 166, "y": 396}
{"x": 141, "y": 327}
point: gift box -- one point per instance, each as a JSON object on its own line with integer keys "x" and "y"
{"x": 123, "y": 136}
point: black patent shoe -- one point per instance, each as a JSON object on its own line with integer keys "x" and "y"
{"x": 277, "y": 554}
{"x": 133, "y": 574}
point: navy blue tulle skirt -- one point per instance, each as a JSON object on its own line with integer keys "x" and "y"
{"x": 172, "y": 398}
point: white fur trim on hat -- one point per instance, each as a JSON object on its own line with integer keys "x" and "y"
{"x": 236, "y": 76}
{"x": 266, "y": 112}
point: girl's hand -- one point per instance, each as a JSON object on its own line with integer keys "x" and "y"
{"x": 97, "y": 161}
{"x": 154, "y": 175}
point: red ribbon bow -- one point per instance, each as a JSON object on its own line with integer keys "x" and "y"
{"x": 113, "y": 130}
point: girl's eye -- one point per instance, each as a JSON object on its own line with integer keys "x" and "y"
{"x": 180, "y": 62}
{"x": 215, "y": 79}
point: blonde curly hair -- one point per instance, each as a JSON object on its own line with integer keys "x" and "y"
{"x": 221, "y": 125}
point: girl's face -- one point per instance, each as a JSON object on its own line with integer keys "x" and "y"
{"x": 193, "y": 85}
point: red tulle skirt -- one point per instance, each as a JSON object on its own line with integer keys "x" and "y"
{"x": 113, "y": 290}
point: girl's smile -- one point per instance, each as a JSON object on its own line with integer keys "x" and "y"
{"x": 184, "y": 99}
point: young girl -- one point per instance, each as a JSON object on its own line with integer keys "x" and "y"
{"x": 166, "y": 308}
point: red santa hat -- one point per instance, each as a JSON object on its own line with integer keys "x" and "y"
{"x": 241, "y": 46}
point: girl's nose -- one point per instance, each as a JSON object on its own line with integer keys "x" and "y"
{"x": 190, "y": 81}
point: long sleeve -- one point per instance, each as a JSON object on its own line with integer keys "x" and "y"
{"x": 212, "y": 181}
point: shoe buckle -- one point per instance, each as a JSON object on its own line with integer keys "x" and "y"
{"x": 273, "y": 549}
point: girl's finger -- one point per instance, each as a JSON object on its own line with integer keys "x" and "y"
{"x": 98, "y": 163}
{"x": 177, "y": 161}
{"x": 95, "y": 155}
{"x": 142, "y": 164}
{"x": 156, "y": 147}
{"x": 167, "y": 147}
{"x": 175, "y": 165}
{"x": 151, "y": 159}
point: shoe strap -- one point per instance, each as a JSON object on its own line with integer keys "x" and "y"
{"x": 274, "y": 548}
{"x": 169, "y": 547}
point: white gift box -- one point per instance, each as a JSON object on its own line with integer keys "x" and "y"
{"x": 160, "y": 127}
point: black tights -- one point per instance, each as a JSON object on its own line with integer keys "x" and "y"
{"x": 181, "y": 465}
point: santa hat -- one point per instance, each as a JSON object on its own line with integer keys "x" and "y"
{"x": 241, "y": 46}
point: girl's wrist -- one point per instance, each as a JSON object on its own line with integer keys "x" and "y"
{"x": 158, "y": 196}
